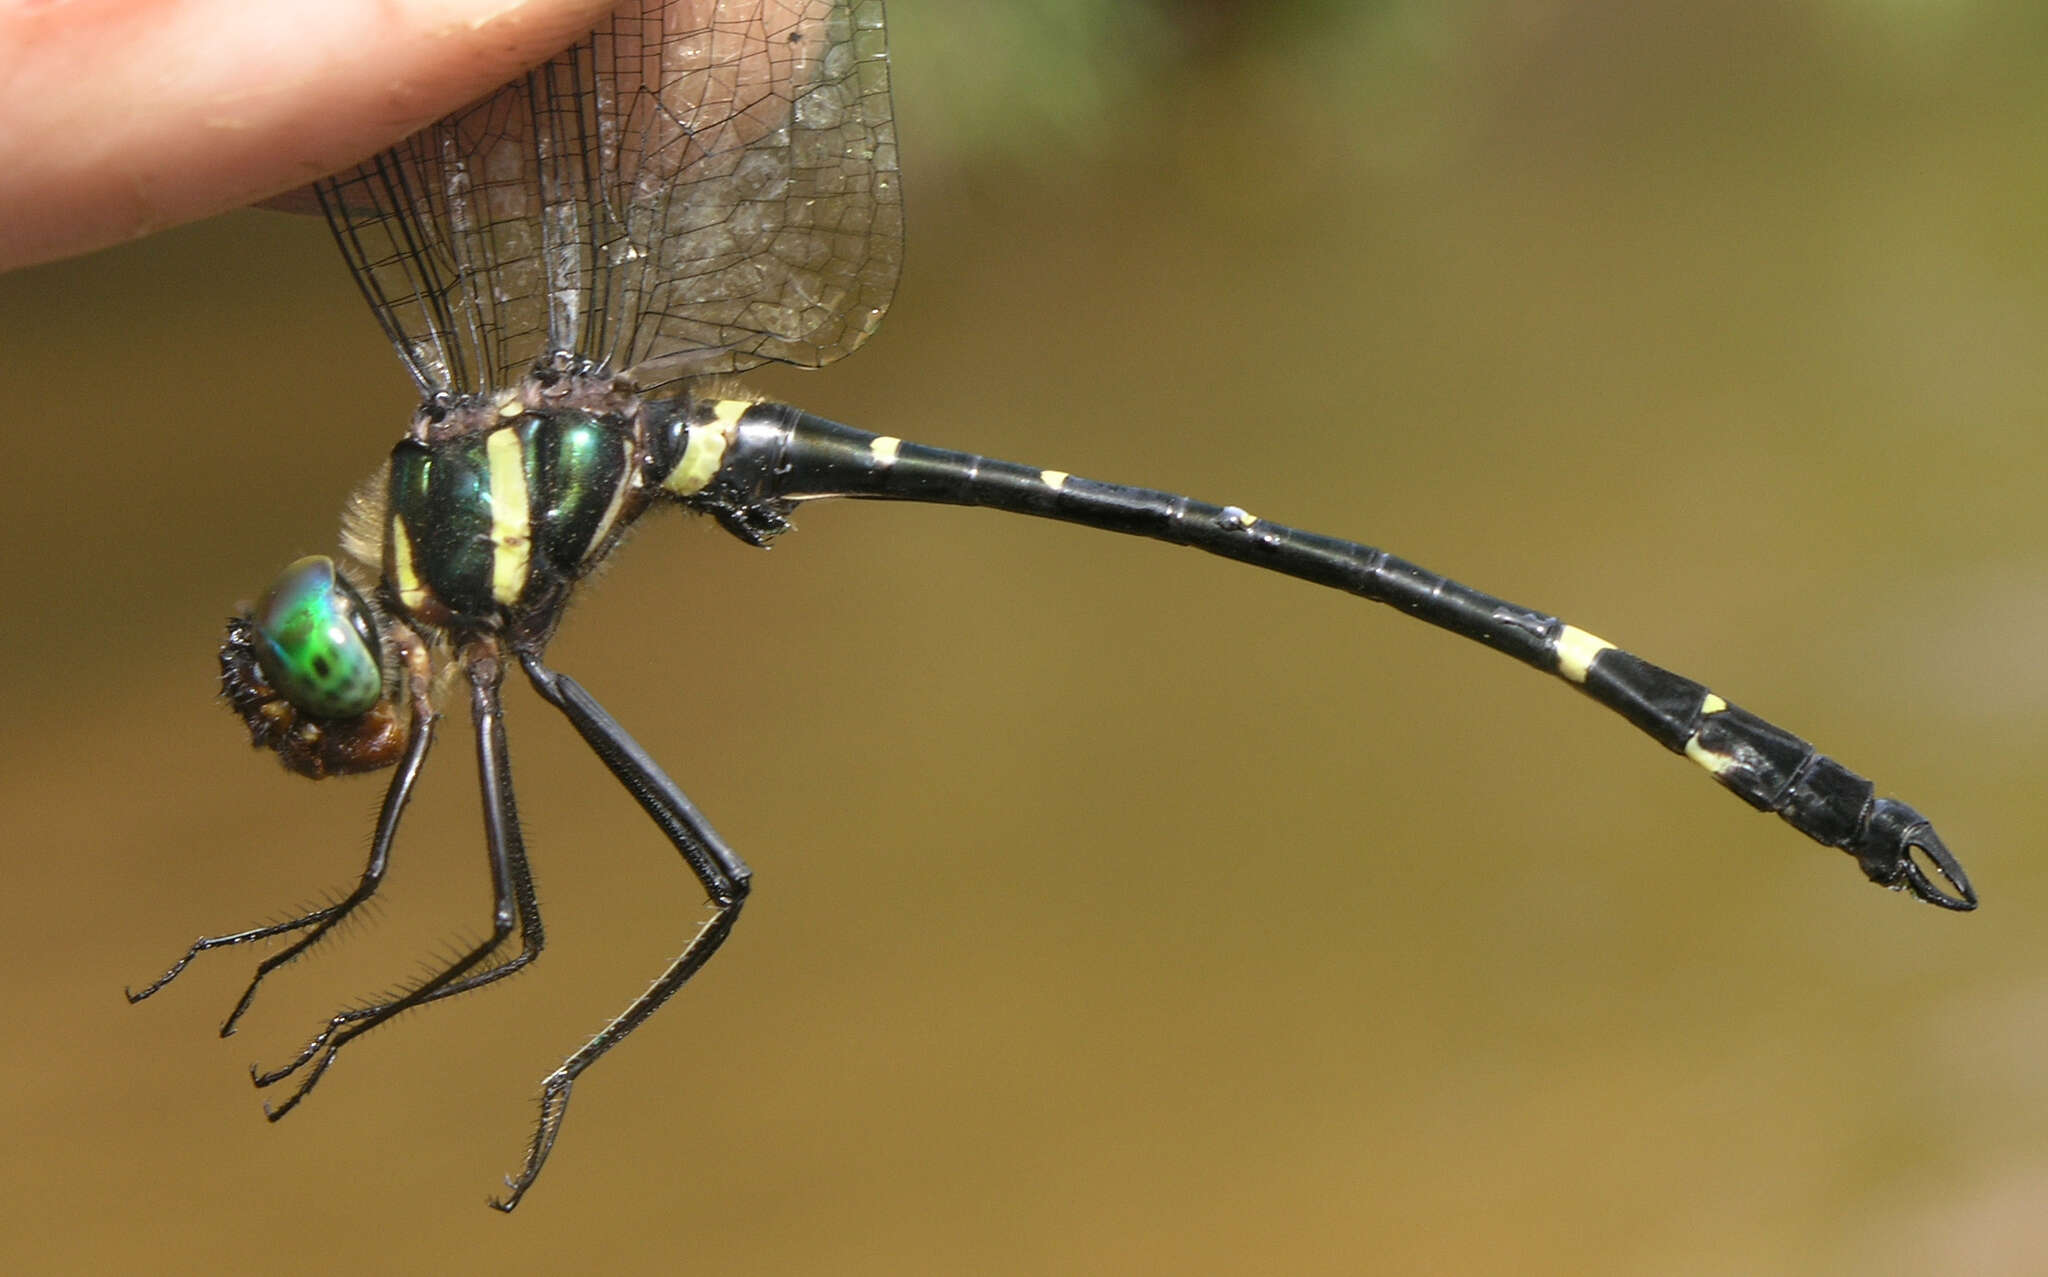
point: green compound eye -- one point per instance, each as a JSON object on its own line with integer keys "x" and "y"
{"x": 317, "y": 642}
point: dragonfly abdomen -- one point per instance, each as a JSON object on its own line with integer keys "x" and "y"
{"x": 764, "y": 457}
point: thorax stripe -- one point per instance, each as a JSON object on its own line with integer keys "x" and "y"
{"x": 511, "y": 516}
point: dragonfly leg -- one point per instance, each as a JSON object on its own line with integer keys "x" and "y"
{"x": 513, "y": 902}
{"x": 319, "y": 922}
{"x": 725, "y": 876}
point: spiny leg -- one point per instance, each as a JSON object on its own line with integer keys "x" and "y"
{"x": 725, "y": 876}
{"x": 511, "y": 889}
{"x": 319, "y": 922}
{"x": 554, "y": 1097}
{"x": 533, "y": 938}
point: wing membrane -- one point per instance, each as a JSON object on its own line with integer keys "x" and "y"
{"x": 699, "y": 186}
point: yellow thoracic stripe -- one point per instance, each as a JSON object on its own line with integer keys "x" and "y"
{"x": 618, "y": 503}
{"x": 511, "y": 521}
{"x": 404, "y": 573}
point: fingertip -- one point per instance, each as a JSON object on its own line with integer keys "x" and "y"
{"x": 123, "y": 117}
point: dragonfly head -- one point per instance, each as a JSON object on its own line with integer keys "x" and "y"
{"x": 304, "y": 669}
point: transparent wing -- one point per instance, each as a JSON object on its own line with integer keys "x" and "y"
{"x": 699, "y": 186}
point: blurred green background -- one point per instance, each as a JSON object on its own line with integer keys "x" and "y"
{"x": 1119, "y": 910}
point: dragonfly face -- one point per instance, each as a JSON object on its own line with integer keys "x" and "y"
{"x": 305, "y": 670}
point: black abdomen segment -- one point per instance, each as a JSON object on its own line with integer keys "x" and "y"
{"x": 772, "y": 454}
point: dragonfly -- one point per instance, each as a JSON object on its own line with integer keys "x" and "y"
{"x": 571, "y": 269}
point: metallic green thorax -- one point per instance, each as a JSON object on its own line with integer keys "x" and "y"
{"x": 484, "y": 525}
{"x": 315, "y": 642}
